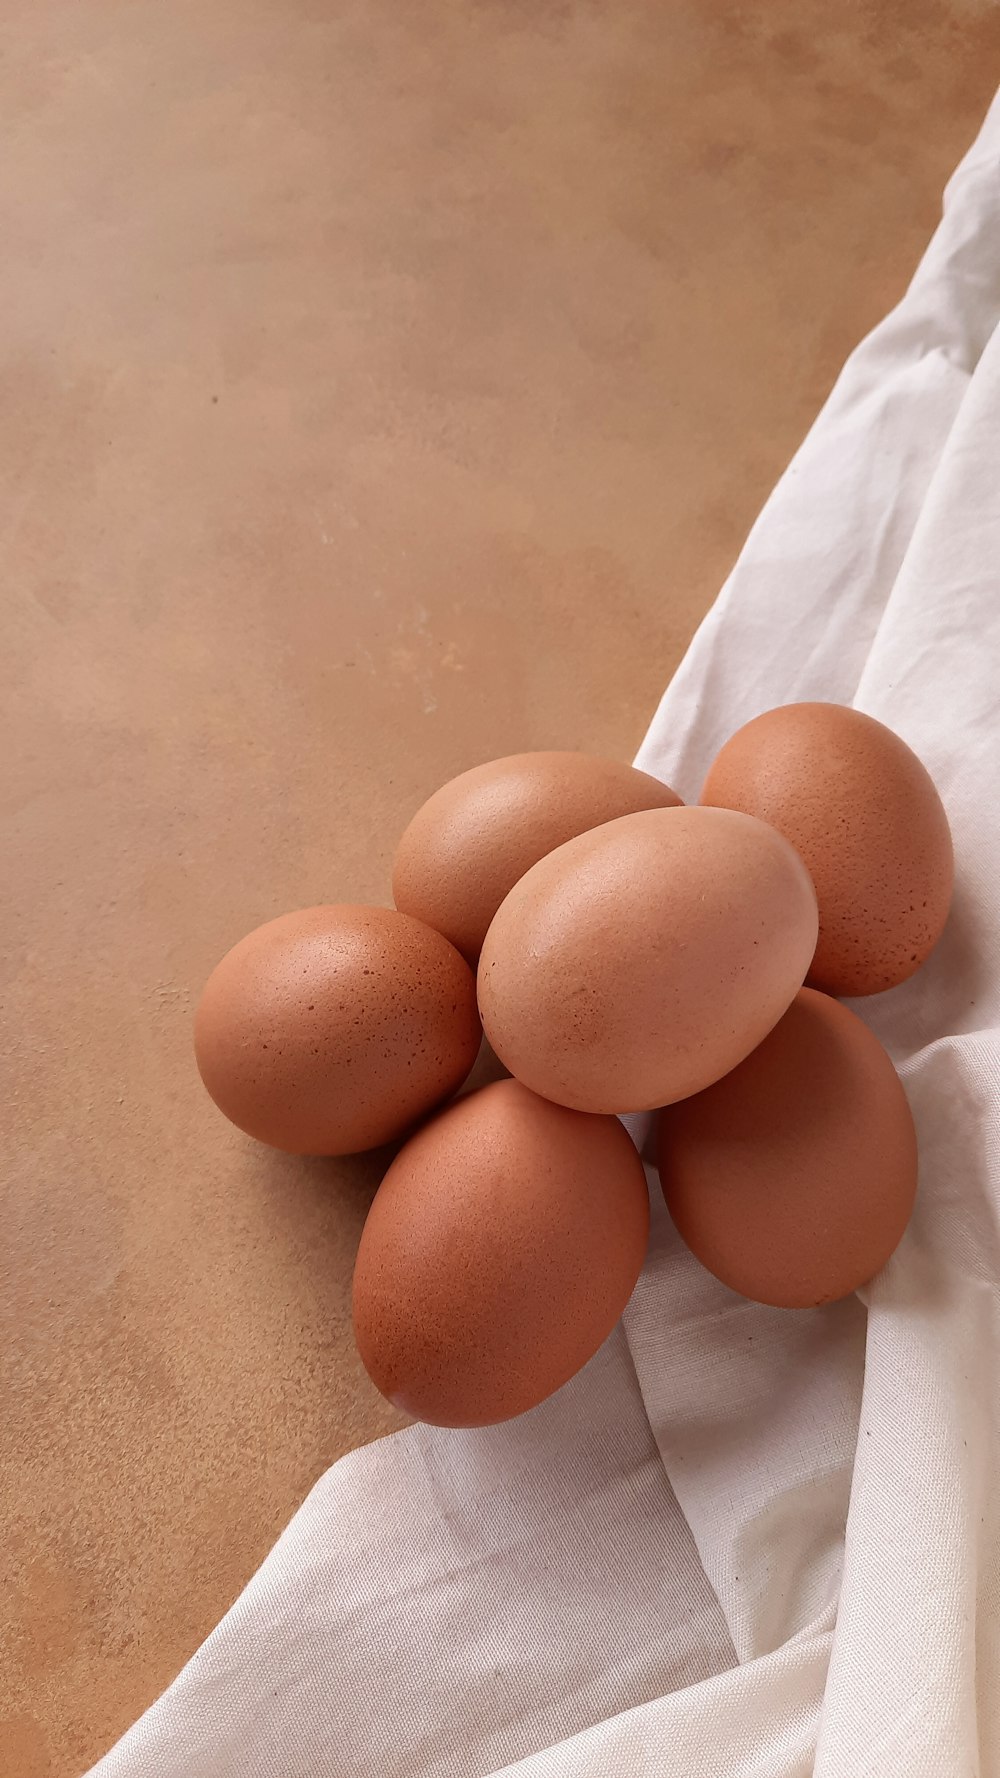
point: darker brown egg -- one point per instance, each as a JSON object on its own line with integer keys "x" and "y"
{"x": 859, "y": 807}
{"x": 793, "y": 1178}
{"x": 472, "y": 840}
{"x": 332, "y": 1029}
{"x": 500, "y": 1251}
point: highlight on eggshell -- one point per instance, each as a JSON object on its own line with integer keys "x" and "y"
{"x": 793, "y": 1178}
{"x": 499, "y": 1252}
{"x": 468, "y": 845}
{"x": 640, "y": 961}
{"x": 862, "y": 811}
{"x": 332, "y": 1029}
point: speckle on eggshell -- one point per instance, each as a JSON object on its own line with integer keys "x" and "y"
{"x": 331, "y": 1030}
{"x": 862, "y": 811}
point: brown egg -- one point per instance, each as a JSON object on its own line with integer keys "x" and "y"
{"x": 640, "y": 961}
{"x": 794, "y": 1177}
{"x": 500, "y": 1251}
{"x": 860, "y": 808}
{"x": 468, "y": 845}
{"x": 332, "y": 1029}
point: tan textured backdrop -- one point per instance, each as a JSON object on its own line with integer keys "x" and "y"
{"x": 384, "y": 388}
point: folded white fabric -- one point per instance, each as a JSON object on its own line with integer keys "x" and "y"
{"x": 743, "y": 1543}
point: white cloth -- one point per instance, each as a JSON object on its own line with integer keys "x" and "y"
{"x": 650, "y": 1573}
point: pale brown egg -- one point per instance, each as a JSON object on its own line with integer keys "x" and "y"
{"x": 471, "y": 841}
{"x": 860, "y": 808}
{"x": 498, "y": 1254}
{"x": 332, "y": 1029}
{"x": 640, "y": 961}
{"x": 793, "y": 1178}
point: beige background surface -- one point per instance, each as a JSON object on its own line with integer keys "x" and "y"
{"x": 384, "y": 388}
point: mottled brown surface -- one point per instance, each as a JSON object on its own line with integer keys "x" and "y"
{"x": 384, "y": 387}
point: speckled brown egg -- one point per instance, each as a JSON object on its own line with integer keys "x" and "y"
{"x": 640, "y": 961}
{"x": 860, "y": 808}
{"x": 499, "y": 1252}
{"x": 468, "y": 845}
{"x": 793, "y": 1178}
{"x": 332, "y": 1029}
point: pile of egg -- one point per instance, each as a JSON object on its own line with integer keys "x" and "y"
{"x": 622, "y": 952}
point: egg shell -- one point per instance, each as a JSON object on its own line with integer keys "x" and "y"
{"x": 858, "y": 805}
{"x": 471, "y": 841}
{"x": 499, "y": 1253}
{"x": 793, "y": 1179}
{"x": 640, "y": 961}
{"x": 332, "y": 1029}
